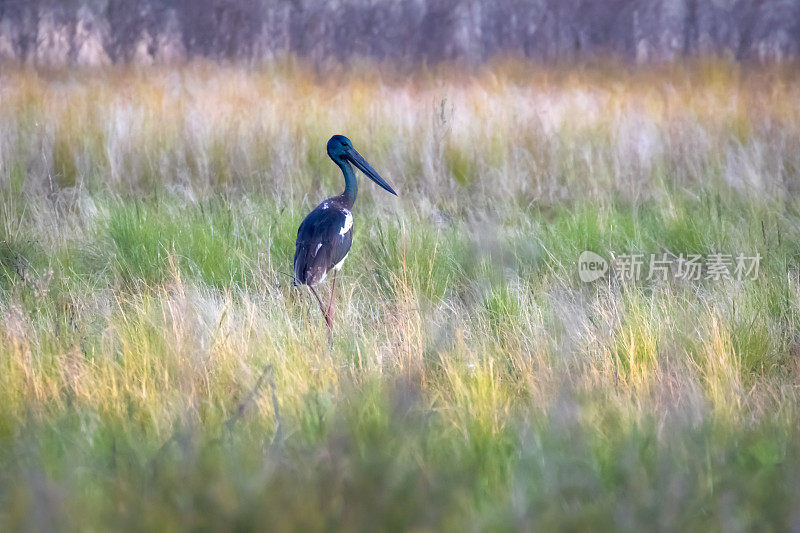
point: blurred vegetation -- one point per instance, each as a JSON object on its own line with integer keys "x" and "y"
{"x": 407, "y": 34}
{"x": 158, "y": 371}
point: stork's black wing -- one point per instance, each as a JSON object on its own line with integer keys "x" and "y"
{"x": 323, "y": 240}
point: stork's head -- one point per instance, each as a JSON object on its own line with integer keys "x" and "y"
{"x": 340, "y": 149}
{"x": 338, "y": 146}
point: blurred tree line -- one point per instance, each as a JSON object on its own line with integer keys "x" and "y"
{"x": 414, "y": 31}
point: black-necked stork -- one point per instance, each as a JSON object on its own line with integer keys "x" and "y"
{"x": 325, "y": 235}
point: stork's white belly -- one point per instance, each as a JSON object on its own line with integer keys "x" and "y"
{"x": 338, "y": 266}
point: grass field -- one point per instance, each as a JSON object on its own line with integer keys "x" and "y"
{"x": 158, "y": 371}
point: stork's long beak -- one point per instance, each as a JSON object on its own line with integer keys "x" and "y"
{"x": 364, "y": 167}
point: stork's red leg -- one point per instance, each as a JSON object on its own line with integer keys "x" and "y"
{"x": 328, "y": 321}
{"x": 329, "y": 313}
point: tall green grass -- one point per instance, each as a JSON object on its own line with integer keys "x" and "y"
{"x": 159, "y": 371}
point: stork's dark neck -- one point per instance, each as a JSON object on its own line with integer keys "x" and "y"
{"x": 350, "y": 183}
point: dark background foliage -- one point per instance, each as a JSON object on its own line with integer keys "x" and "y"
{"x": 430, "y": 31}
